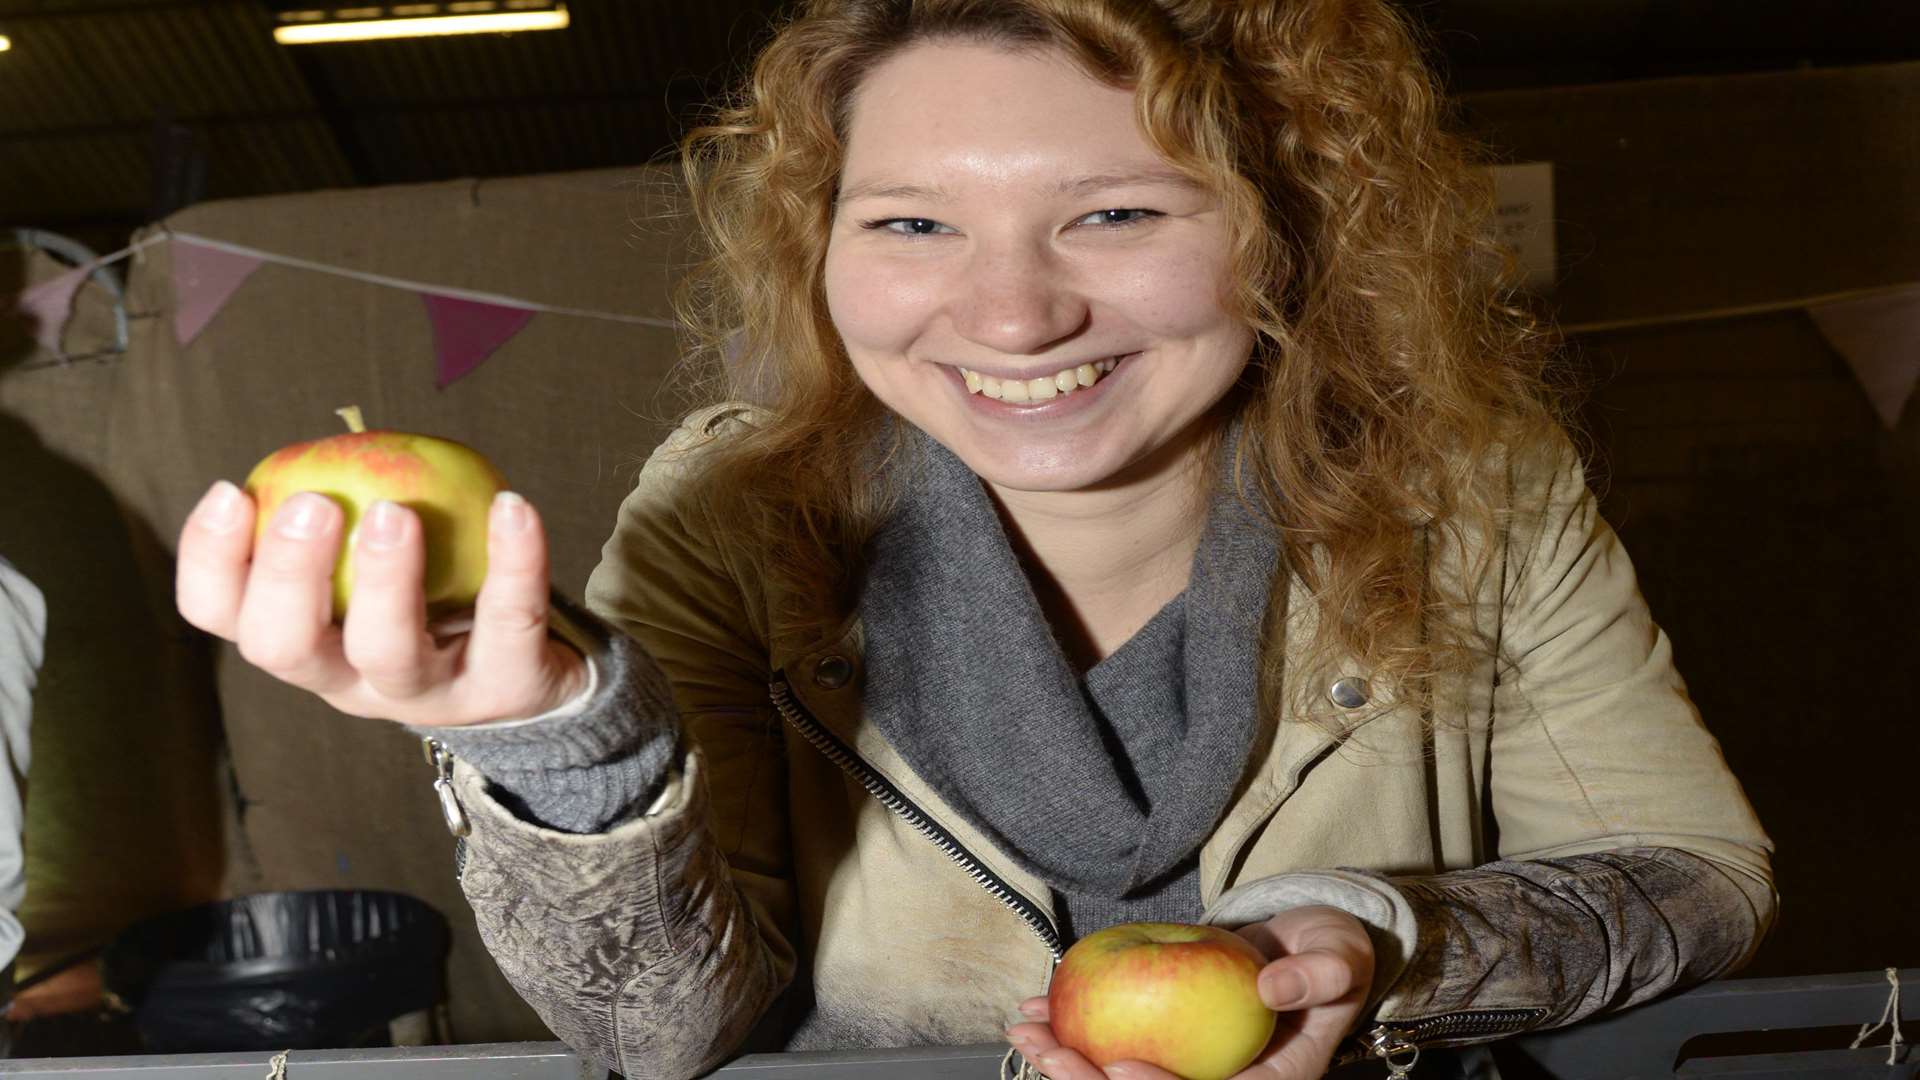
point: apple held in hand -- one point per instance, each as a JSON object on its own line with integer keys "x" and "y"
{"x": 449, "y": 485}
{"x": 1185, "y": 998}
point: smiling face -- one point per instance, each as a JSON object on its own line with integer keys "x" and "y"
{"x": 1015, "y": 271}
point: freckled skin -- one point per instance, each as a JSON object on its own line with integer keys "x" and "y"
{"x": 1184, "y": 998}
{"x": 449, "y": 485}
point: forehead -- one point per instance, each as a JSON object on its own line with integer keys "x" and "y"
{"x": 951, "y": 111}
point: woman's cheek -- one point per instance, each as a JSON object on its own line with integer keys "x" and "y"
{"x": 1172, "y": 295}
{"x": 876, "y": 306}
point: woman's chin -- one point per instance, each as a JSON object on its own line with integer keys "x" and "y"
{"x": 1036, "y": 469}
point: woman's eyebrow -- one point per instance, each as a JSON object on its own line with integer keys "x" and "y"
{"x": 1128, "y": 178}
{"x": 1078, "y": 185}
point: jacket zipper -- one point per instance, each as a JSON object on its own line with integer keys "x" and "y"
{"x": 451, "y": 812}
{"x": 1398, "y": 1043}
{"x": 890, "y": 797}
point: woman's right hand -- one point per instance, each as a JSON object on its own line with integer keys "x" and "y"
{"x": 276, "y": 604}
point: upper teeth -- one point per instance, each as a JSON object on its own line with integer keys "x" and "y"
{"x": 1041, "y": 389}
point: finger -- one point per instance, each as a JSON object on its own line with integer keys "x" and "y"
{"x": 1307, "y": 979}
{"x": 210, "y": 571}
{"x": 1304, "y": 1044}
{"x": 1032, "y": 1039}
{"x": 1037, "y": 1009}
{"x": 1138, "y": 1070}
{"x": 385, "y": 636}
{"x": 1037, "y": 1043}
{"x": 508, "y": 656}
{"x": 1323, "y": 955}
{"x": 285, "y": 626}
{"x": 1066, "y": 1063}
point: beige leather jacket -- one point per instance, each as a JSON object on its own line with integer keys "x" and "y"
{"x": 1573, "y": 843}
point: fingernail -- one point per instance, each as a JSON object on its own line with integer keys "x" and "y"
{"x": 1031, "y": 1008}
{"x": 1048, "y": 1061}
{"x": 219, "y": 508}
{"x": 300, "y": 518}
{"x": 1283, "y": 990}
{"x": 383, "y": 524}
{"x": 510, "y": 512}
{"x": 1125, "y": 1070}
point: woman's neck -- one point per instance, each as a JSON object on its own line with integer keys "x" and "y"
{"x": 1103, "y": 562}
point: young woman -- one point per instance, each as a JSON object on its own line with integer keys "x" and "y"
{"x": 1131, "y": 501}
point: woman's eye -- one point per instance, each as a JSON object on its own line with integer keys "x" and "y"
{"x": 909, "y": 226}
{"x": 1122, "y": 217}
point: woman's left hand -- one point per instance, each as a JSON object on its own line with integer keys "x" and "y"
{"x": 1320, "y": 965}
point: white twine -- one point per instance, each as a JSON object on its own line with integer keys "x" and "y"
{"x": 277, "y": 1066}
{"x": 1888, "y": 1015}
{"x": 1015, "y": 1067}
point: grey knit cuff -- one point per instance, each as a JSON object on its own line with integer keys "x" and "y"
{"x": 589, "y": 769}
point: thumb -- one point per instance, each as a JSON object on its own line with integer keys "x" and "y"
{"x": 1322, "y": 955}
{"x": 1307, "y": 979}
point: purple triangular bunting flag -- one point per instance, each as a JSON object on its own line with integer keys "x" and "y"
{"x": 466, "y": 332}
{"x": 47, "y": 306}
{"x": 1880, "y": 338}
{"x": 204, "y": 279}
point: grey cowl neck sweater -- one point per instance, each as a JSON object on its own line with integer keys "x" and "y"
{"x": 1105, "y": 786}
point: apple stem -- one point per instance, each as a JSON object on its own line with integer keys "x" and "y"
{"x": 351, "y": 414}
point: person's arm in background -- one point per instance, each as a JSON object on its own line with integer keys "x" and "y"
{"x": 23, "y": 632}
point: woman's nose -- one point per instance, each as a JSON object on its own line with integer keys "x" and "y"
{"x": 1016, "y": 302}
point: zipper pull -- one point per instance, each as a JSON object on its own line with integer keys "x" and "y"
{"x": 451, "y": 811}
{"x": 1394, "y": 1049}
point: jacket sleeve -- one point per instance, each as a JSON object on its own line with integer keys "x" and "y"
{"x": 1629, "y": 863}
{"x": 656, "y": 946}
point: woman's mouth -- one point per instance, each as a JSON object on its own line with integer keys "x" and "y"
{"x": 1045, "y": 388}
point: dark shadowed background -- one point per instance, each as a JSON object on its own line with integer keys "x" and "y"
{"x": 1716, "y": 166}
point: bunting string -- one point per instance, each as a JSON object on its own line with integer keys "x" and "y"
{"x": 1876, "y": 330}
{"x": 1741, "y": 311}
{"x": 472, "y": 295}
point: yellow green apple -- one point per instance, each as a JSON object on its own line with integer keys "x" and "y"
{"x": 448, "y": 484}
{"x": 1183, "y": 997}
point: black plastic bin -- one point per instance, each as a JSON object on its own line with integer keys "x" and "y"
{"x": 279, "y": 971}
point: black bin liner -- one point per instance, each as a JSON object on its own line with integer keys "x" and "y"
{"x": 312, "y": 970}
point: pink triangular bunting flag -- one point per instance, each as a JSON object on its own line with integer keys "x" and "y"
{"x": 204, "y": 279}
{"x": 466, "y": 332}
{"x": 1880, "y": 338}
{"x": 46, "y": 306}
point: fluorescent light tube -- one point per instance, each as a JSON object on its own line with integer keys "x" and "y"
{"x": 494, "y": 22}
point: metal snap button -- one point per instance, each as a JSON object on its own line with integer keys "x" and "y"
{"x": 1348, "y": 693}
{"x": 832, "y": 672}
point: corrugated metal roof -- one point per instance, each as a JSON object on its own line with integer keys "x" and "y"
{"x": 88, "y": 83}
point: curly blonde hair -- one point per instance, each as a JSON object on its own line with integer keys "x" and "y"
{"x": 1391, "y": 369}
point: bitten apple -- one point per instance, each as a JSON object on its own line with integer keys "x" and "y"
{"x": 1185, "y": 998}
{"x": 448, "y": 484}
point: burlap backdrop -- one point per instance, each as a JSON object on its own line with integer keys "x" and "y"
{"x": 136, "y": 790}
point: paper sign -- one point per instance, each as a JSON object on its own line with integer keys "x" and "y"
{"x": 1523, "y": 219}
